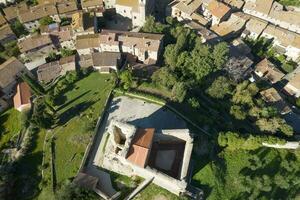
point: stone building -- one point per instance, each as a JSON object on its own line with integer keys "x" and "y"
{"x": 144, "y": 46}
{"x": 160, "y": 154}
{"x": 10, "y": 71}
{"x": 265, "y": 69}
{"x": 36, "y": 46}
{"x": 30, "y": 17}
{"x": 275, "y": 13}
{"x": 136, "y": 10}
{"x": 22, "y": 97}
{"x": 105, "y": 62}
{"x": 292, "y": 88}
{"x": 6, "y": 34}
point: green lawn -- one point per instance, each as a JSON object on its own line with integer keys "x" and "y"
{"x": 290, "y": 2}
{"x": 72, "y": 139}
{"x": 154, "y": 192}
{"x": 10, "y": 126}
{"x": 84, "y": 102}
{"x": 224, "y": 177}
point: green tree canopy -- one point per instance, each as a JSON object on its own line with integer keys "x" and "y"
{"x": 46, "y": 21}
{"x": 126, "y": 79}
{"x": 220, "y": 88}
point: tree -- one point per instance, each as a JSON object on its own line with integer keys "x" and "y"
{"x": 238, "y": 112}
{"x": 65, "y": 52}
{"x": 220, "y": 54}
{"x": 194, "y": 102}
{"x": 12, "y": 49}
{"x": 19, "y": 29}
{"x": 71, "y": 191}
{"x": 65, "y": 21}
{"x": 179, "y": 91}
{"x": 234, "y": 141}
{"x": 150, "y": 26}
{"x": 274, "y": 124}
{"x": 52, "y": 56}
{"x": 244, "y": 94}
{"x": 220, "y": 88}
{"x": 46, "y": 21}
{"x": 286, "y": 129}
{"x": 164, "y": 77}
{"x": 126, "y": 79}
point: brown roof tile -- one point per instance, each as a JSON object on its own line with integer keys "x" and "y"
{"x": 141, "y": 146}
{"x": 6, "y": 32}
{"x": 218, "y": 9}
{"x": 22, "y": 95}
{"x": 33, "y": 42}
{"x": 38, "y": 12}
{"x": 8, "y": 71}
{"x": 269, "y": 71}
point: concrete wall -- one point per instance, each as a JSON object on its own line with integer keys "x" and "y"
{"x": 288, "y": 145}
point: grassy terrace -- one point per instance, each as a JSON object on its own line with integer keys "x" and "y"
{"x": 153, "y": 192}
{"x": 10, "y": 126}
{"x": 84, "y": 102}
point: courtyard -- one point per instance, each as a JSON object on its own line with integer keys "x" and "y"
{"x": 143, "y": 115}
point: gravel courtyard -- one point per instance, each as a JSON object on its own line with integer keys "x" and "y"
{"x": 143, "y": 114}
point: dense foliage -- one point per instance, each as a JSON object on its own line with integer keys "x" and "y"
{"x": 46, "y": 21}
{"x": 71, "y": 191}
{"x": 234, "y": 141}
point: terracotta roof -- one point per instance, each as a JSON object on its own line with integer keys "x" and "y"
{"x": 269, "y": 71}
{"x": 10, "y": 12}
{"x": 235, "y": 3}
{"x": 8, "y": 71}
{"x": 218, "y": 9}
{"x": 68, "y": 59}
{"x": 142, "y": 41}
{"x": 38, "y": 12}
{"x": 85, "y": 61}
{"x": 263, "y": 6}
{"x": 91, "y": 3}
{"x": 256, "y": 25}
{"x": 6, "y": 32}
{"x": 2, "y": 20}
{"x": 87, "y": 41}
{"x": 199, "y": 18}
{"x": 33, "y": 42}
{"x": 22, "y": 96}
{"x": 66, "y": 6}
{"x": 285, "y": 37}
{"x": 140, "y": 147}
{"x": 106, "y": 58}
{"x": 234, "y": 24}
{"x": 295, "y": 81}
{"x": 49, "y": 71}
{"x": 129, "y": 3}
{"x": 189, "y": 7}
{"x": 272, "y": 96}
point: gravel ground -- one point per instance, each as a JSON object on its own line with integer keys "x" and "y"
{"x": 143, "y": 114}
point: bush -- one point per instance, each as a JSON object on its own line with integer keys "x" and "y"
{"x": 194, "y": 102}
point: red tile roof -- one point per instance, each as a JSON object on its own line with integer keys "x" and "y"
{"x": 141, "y": 147}
{"x": 22, "y": 96}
